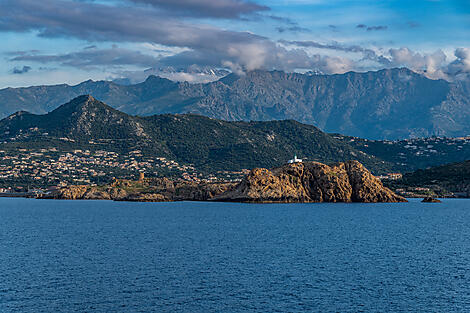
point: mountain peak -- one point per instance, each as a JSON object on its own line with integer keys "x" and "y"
{"x": 18, "y": 114}
{"x": 85, "y": 117}
{"x": 82, "y": 105}
{"x": 152, "y": 78}
{"x": 157, "y": 82}
{"x": 84, "y": 98}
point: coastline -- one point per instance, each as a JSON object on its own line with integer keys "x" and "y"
{"x": 34, "y": 196}
{"x": 298, "y": 182}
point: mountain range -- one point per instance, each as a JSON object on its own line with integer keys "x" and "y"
{"x": 387, "y": 104}
{"x": 209, "y": 144}
{"x": 193, "y": 74}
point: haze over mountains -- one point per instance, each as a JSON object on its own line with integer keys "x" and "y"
{"x": 387, "y": 104}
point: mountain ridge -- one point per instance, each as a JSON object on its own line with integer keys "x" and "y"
{"x": 386, "y": 104}
{"x": 191, "y": 139}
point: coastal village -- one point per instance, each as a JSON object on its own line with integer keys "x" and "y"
{"x": 29, "y": 169}
{"x": 415, "y": 147}
{"x": 39, "y": 170}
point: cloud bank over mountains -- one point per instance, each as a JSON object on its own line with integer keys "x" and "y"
{"x": 184, "y": 27}
{"x": 229, "y": 9}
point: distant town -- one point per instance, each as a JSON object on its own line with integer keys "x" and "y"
{"x": 414, "y": 153}
{"x": 30, "y": 169}
{"x": 34, "y": 170}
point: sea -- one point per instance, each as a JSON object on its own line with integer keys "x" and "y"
{"x": 104, "y": 256}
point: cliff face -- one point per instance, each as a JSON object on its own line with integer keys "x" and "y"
{"x": 311, "y": 182}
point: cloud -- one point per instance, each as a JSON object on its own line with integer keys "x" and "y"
{"x": 367, "y": 54}
{"x": 21, "y": 52}
{"x": 282, "y": 19}
{"x": 433, "y": 65}
{"x": 99, "y": 22}
{"x": 460, "y": 67}
{"x": 462, "y": 63}
{"x": 293, "y": 29}
{"x": 205, "y": 45}
{"x": 289, "y": 25}
{"x": 228, "y": 9}
{"x": 260, "y": 55}
{"x": 192, "y": 74}
{"x": 91, "y": 58}
{"x": 23, "y": 70}
{"x": 159, "y": 23}
{"x": 380, "y": 27}
{"x": 372, "y": 28}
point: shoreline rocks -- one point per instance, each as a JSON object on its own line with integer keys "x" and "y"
{"x": 292, "y": 183}
{"x": 431, "y": 200}
{"x": 311, "y": 182}
{"x": 147, "y": 190}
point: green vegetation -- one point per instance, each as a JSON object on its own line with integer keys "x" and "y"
{"x": 446, "y": 180}
{"x": 413, "y": 154}
{"x": 210, "y": 145}
{"x": 86, "y": 141}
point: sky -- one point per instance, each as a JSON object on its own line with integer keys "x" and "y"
{"x": 70, "y": 41}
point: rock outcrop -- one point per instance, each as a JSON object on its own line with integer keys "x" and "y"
{"x": 298, "y": 182}
{"x": 431, "y": 200}
{"x": 311, "y": 182}
{"x": 148, "y": 190}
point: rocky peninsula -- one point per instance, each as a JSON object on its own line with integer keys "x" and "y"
{"x": 144, "y": 190}
{"x": 292, "y": 183}
{"x": 311, "y": 182}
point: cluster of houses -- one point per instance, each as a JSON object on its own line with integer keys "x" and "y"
{"x": 52, "y": 167}
{"x": 390, "y": 176}
{"x": 22, "y": 169}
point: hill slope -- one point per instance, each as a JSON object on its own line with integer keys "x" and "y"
{"x": 412, "y": 154}
{"x": 207, "y": 143}
{"x": 396, "y": 103}
{"x": 454, "y": 178}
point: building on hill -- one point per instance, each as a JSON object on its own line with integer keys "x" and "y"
{"x": 295, "y": 160}
{"x": 391, "y": 176}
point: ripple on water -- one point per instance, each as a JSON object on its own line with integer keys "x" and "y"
{"x": 103, "y": 256}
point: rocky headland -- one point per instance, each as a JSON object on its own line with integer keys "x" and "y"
{"x": 311, "y": 182}
{"x": 299, "y": 182}
{"x": 146, "y": 190}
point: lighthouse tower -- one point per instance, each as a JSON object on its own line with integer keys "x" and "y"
{"x": 295, "y": 160}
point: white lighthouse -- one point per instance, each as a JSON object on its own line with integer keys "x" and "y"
{"x": 295, "y": 160}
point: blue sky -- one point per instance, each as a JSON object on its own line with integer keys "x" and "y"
{"x": 66, "y": 41}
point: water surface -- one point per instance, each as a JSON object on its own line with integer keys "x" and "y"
{"x": 104, "y": 256}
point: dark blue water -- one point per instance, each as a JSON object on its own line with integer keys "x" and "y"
{"x": 102, "y": 256}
